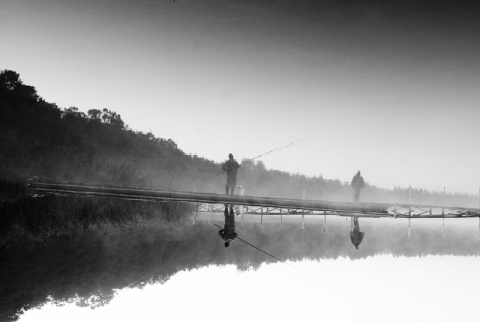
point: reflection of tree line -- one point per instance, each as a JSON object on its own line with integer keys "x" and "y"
{"x": 96, "y": 263}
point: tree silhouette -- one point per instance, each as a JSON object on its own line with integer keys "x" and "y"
{"x": 10, "y": 79}
{"x": 94, "y": 114}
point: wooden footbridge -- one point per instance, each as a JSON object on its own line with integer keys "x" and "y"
{"x": 210, "y": 202}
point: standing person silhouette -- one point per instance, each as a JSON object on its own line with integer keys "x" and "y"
{"x": 231, "y": 167}
{"x": 356, "y": 236}
{"x": 357, "y": 184}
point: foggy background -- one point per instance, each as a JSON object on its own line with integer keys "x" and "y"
{"x": 386, "y": 87}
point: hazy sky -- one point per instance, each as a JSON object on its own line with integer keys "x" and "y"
{"x": 391, "y": 88}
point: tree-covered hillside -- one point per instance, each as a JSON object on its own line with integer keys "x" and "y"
{"x": 38, "y": 138}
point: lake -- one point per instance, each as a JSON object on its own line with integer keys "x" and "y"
{"x": 184, "y": 272}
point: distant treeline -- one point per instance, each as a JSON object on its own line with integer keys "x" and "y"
{"x": 38, "y": 138}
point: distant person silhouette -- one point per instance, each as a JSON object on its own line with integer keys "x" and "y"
{"x": 356, "y": 236}
{"x": 357, "y": 184}
{"x": 228, "y": 233}
{"x": 231, "y": 167}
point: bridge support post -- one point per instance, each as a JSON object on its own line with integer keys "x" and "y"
{"x": 303, "y": 211}
{"x": 210, "y": 206}
{"x": 443, "y": 228}
{"x": 281, "y": 220}
{"x": 409, "y": 228}
{"x": 239, "y": 191}
{"x": 303, "y": 220}
{"x": 196, "y": 205}
{"x": 261, "y": 219}
{"x": 410, "y": 200}
{"x": 443, "y": 209}
{"x": 409, "y": 209}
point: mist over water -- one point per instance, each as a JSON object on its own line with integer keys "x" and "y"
{"x": 88, "y": 268}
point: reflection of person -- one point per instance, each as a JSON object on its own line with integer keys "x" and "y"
{"x": 231, "y": 167}
{"x": 228, "y": 233}
{"x": 357, "y": 184}
{"x": 356, "y": 236}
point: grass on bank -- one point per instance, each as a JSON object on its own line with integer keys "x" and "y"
{"x": 24, "y": 217}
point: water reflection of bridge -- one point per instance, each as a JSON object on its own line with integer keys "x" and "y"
{"x": 264, "y": 206}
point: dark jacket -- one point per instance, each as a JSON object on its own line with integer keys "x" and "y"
{"x": 227, "y": 234}
{"x": 356, "y": 237}
{"x": 231, "y": 167}
{"x": 357, "y": 182}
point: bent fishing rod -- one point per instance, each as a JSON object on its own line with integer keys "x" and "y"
{"x": 271, "y": 151}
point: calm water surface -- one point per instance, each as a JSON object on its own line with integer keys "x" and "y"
{"x": 185, "y": 272}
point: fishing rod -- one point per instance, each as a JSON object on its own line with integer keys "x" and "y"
{"x": 261, "y": 250}
{"x": 278, "y": 148}
{"x": 274, "y": 150}
{"x": 255, "y": 247}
